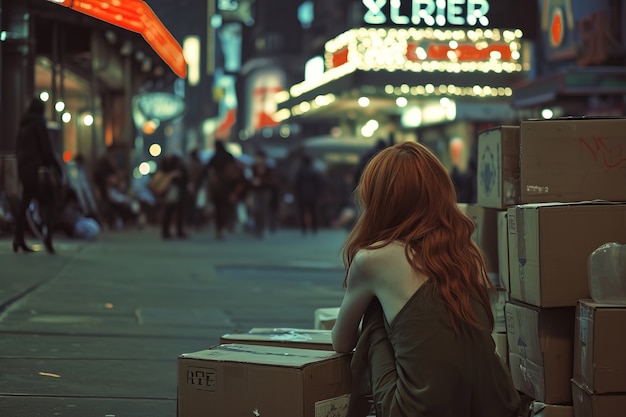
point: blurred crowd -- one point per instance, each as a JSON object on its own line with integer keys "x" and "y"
{"x": 213, "y": 190}
{"x": 247, "y": 193}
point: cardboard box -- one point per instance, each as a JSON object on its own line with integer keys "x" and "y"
{"x": 539, "y": 409}
{"x": 503, "y": 250}
{"x": 541, "y": 351}
{"x": 587, "y": 404}
{"x": 549, "y": 245}
{"x": 498, "y": 168}
{"x": 248, "y": 380}
{"x": 502, "y": 347}
{"x": 485, "y": 236}
{"x": 600, "y": 347}
{"x": 573, "y": 160}
{"x": 325, "y": 318}
{"x": 282, "y": 337}
{"x": 497, "y": 307}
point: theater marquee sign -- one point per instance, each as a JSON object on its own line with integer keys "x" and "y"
{"x": 441, "y": 39}
{"x": 427, "y": 12}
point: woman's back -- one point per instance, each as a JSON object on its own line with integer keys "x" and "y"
{"x": 435, "y": 363}
{"x": 446, "y": 373}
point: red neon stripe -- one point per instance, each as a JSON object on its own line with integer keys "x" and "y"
{"x": 65, "y": 3}
{"x": 340, "y": 57}
{"x": 438, "y": 52}
{"x": 264, "y": 90}
{"x": 114, "y": 15}
{"x": 162, "y": 41}
{"x": 135, "y": 16}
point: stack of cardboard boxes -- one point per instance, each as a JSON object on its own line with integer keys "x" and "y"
{"x": 549, "y": 193}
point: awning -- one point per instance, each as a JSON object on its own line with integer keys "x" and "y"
{"x": 572, "y": 82}
{"x": 135, "y": 16}
{"x": 383, "y": 88}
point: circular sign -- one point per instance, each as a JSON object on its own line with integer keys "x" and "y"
{"x": 557, "y": 28}
{"x": 160, "y": 106}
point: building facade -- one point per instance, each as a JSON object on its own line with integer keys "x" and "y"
{"x": 436, "y": 72}
{"x": 441, "y": 71}
{"x": 581, "y": 60}
{"x": 96, "y": 73}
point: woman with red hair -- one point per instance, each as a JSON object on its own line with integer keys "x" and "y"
{"x": 417, "y": 304}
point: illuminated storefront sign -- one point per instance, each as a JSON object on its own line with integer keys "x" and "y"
{"x": 590, "y": 34}
{"x": 427, "y": 12}
{"x": 415, "y": 50}
{"x": 135, "y": 16}
{"x": 420, "y": 50}
{"x": 149, "y": 110}
{"x": 161, "y": 106}
{"x": 558, "y": 29}
{"x": 262, "y": 89}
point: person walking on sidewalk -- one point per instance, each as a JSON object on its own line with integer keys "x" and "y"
{"x": 39, "y": 172}
{"x": 174, "y": 196}
{"x": 263, "y": 185}
{"x": 197, "y": 195}
{"x": 419, "y": 286}
{"x": 226, "y": 184}
{"x": 307, "y": 192}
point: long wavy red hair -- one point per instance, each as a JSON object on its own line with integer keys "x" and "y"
{"x": 405, "y": 194}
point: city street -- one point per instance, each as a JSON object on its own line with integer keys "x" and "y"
{"x": 95, "y": 331}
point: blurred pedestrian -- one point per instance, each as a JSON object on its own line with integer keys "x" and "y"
{"x": 411, "y": 261}
{"x": 74, "y": 221}
{"x": 124, "y": 209}
{"x": 40, "y": 173}
{"x": 226, "y": 185}
{"x": 105, "y": 175}
{"x": 83, "y": 187}
{"x": 465, "y": 183}
{"x": 366, "y": 157}
{"x": 307, "y": 193}
{"x": 173, "y": 196}
{"x": 263, "y": 184}
{"x": 275, "y": 201}
{"x": 347, "y": 214}
{"x": 197, "y": 189}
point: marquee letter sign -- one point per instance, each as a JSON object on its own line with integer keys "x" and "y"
{"x": 427, "y": 12}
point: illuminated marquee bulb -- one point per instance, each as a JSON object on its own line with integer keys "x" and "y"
{"x": 402, "y": 102}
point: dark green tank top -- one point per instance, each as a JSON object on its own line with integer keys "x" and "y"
{"x": 428, "y": 369}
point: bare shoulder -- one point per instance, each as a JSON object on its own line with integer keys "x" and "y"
{"x": 373, "y": 262}
{"x": 386, "y": 253}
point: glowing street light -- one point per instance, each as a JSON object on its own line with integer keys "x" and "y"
{"x": 88, "y": 120}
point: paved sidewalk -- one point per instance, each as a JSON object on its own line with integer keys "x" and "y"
{"x": 96, "y": 330}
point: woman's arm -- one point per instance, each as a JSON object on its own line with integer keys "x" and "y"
{"x": 359, "y": 294}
